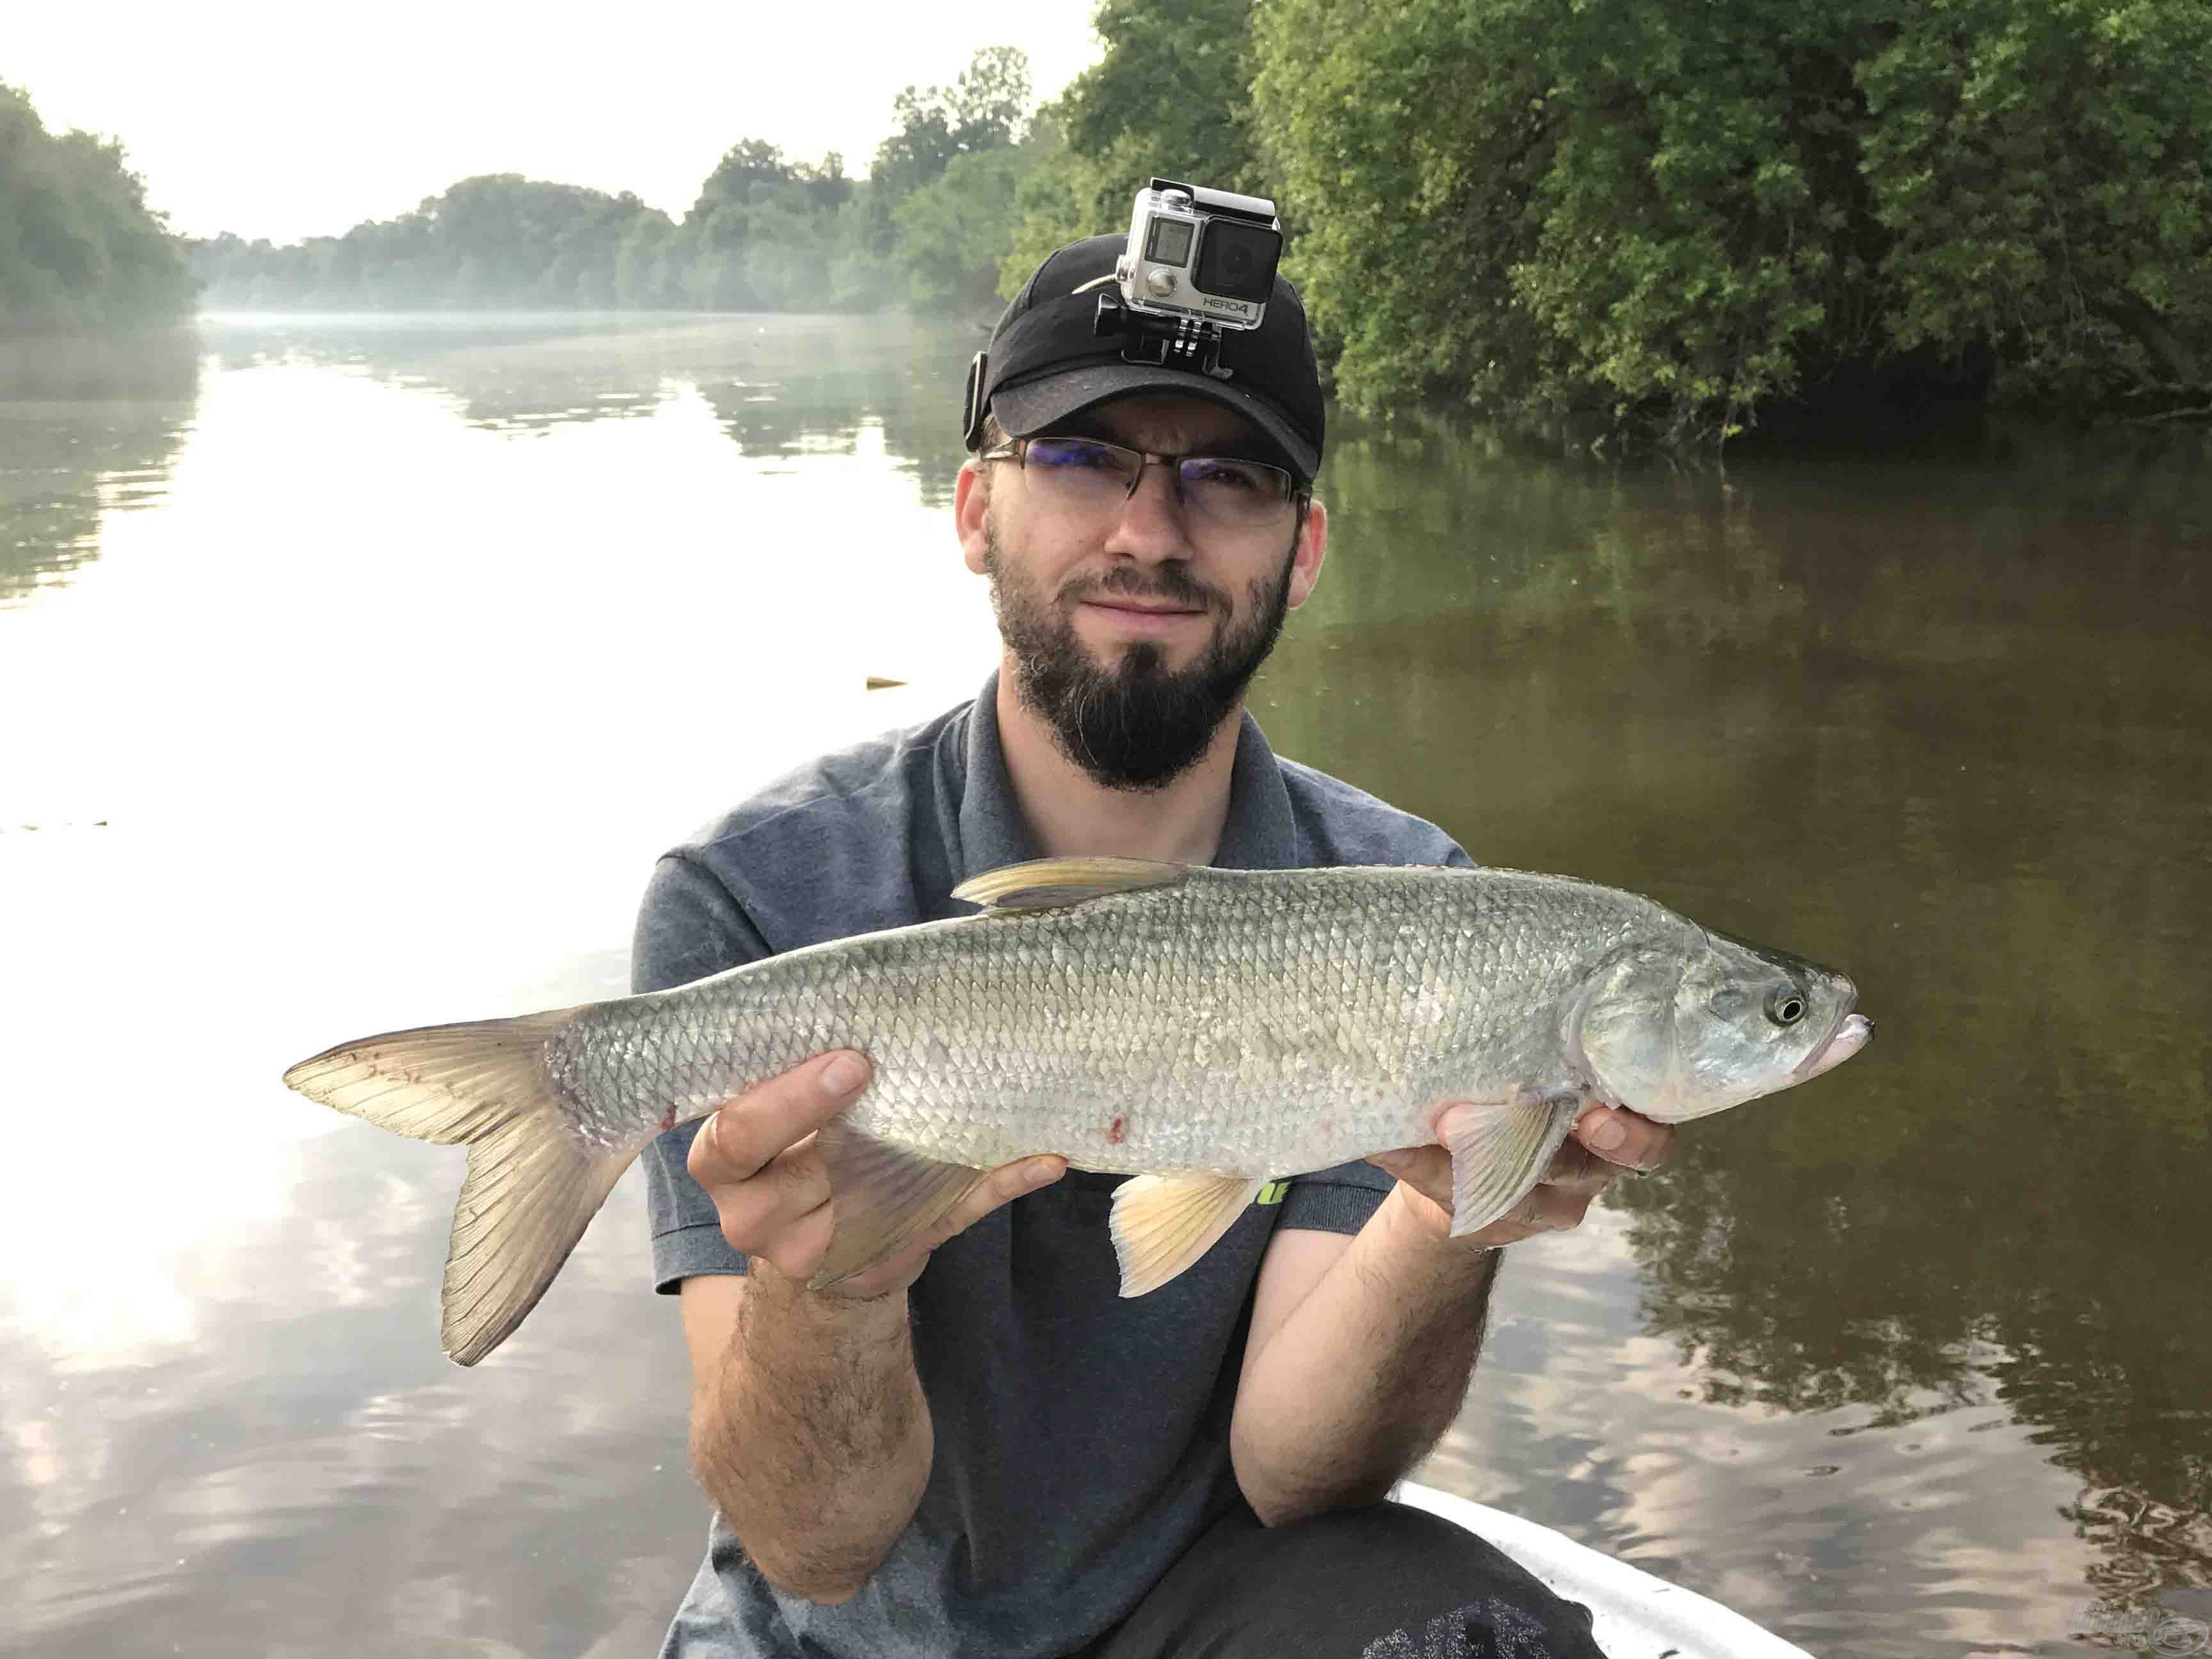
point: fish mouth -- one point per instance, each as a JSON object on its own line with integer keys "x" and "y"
{"x": 1849, "y": 1035}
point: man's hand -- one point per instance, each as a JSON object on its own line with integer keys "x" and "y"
{"x": 1607, "y": 1141}
{"x": 809, "y": 1428}
{"x": 756, "y": 1158}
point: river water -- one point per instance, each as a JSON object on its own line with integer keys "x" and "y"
{"x": 355, "y": 670}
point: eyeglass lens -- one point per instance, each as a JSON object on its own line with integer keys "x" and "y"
{"x": 1221, "y": 488}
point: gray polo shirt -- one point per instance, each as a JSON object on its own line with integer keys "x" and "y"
{"x": 1082, "y": 1440}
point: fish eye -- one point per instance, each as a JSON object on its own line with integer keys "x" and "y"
{"x": 1785, "y": 1007}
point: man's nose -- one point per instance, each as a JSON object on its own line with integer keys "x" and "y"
{"x": 1151, "y": 525}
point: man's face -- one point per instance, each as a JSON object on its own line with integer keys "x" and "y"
{"x": 1134, "y": 629}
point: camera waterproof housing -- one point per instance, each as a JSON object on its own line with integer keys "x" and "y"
{"x": 1208, "y": 255}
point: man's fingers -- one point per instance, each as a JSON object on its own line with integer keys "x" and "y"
{"x": 1561, "y": 1196}
{"x": 1426, "y": 1170}
{"x": 798, "y": 1248}
{"x": 1576, "y": 1171}
{"x": 756, "y": 1127}
{"x": 1549, "y": 1209}
{"x": 755, "y": 1211}
{"x": 1002, "y": 1186}
{"x": 1620, "y": 1136}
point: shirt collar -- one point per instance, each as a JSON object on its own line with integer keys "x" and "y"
{"x": 1260, "y": 832}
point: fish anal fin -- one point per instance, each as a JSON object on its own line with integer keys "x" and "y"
{"x": 1163, "y": 1223}
{"x": 1050, "y": 883}
{"x": 882, "y": 1197}
{"x": 1499, "y": 1149}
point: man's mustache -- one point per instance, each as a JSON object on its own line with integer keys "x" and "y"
{"x": 1166, "y": 583}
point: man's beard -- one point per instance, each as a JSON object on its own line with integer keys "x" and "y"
{"x": 1134, "y": 725}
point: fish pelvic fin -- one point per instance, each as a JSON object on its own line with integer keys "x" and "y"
{"x": 1499, "y": 1151}
{"x": 882, "y": 1197}
{"x": 532, "y": 1187}
{"x": 1053, "y": 884}
{"x": 1163, "y": 1223}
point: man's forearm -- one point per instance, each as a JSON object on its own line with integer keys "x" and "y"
{"x": 1364, "y": 1376}
{"x": 812, "y": 1437}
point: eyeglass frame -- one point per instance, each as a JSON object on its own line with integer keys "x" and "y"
{"x": 1296, "y": 496}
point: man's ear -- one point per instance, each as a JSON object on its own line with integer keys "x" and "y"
{"x": 971, "y": 499}
{"x": 1306, "y": 558}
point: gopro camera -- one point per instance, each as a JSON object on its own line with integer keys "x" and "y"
{"x": 1208, "y": 255}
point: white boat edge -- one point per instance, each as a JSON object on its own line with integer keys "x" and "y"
{"x": 1634, "y": 1614}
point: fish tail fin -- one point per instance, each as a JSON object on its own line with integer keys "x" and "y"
{"x": 532, "y": 1186}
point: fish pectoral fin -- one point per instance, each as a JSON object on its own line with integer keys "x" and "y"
{"x": 883, "y": 1197}
{"x": 1051, "y": 883}
{"x": 1499, "y": 1151}
{"x": 1163, "y": 1223}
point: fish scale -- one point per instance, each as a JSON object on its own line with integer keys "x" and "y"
{"x": 994, "y": 1037}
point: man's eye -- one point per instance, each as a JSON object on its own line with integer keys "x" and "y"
{"x": 1077, "y": 456}
{"x": 1222, "y": 475}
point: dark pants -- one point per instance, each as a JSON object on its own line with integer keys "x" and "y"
{"x": 1387, "y": 1581}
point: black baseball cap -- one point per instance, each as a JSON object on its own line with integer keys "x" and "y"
{"x": 1047, "y": 363}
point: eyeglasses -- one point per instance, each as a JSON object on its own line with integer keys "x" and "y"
{"x": 1084, "y": 473}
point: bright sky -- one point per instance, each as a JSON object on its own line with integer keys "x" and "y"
{"x": 283, "y": 120}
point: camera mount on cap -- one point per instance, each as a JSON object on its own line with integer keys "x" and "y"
{"x": 1198, "y": 262}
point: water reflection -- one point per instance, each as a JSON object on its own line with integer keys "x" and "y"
{"x": 309, "y": 1465}
{"x": 441, "y": 628}
{"x": 85, "y": 430}
{"x": 780, "y": 385}
{"x": 1941, "y": 726}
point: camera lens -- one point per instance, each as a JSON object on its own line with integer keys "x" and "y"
{"x": 1237, "y": 262}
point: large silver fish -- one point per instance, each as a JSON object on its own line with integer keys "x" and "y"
{"x": 1206, "y": 1030}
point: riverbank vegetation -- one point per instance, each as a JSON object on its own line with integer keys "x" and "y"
{"x": 79, "y": 249}
{"x": 1668, "y": 222}
{"x": 1685, "y": 216}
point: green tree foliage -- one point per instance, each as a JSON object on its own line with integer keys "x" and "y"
{"x": 79, "y": 248}
{"x": 745, "y": 166}
{"x": 1170, "y": 97}
{"x": 1679, "y": 214}
{"x": 953, "y": 231}
{"x": 497, "y": 240}
{"x": 981, "y": 110}
{"x": 2043, "y": 174}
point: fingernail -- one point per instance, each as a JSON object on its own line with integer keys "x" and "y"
{"x": 1039, "y": 1174}
{"x": 1394, "y": 1162}
{"x": 843, "y": 1075}
{"x": 1608, "y": 1136}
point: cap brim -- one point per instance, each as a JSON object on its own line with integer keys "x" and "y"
{"x": 1028, "y": 408}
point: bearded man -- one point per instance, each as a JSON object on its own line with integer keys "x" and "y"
{"x": 979, "y": 1447}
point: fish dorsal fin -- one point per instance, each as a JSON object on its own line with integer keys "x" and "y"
{"x": 1050, "y": 883}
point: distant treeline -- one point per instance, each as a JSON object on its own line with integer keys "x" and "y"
{"x": 1671, "y": 220}
{"x": 765, "y": 232}
{"x": 78, "y": 249}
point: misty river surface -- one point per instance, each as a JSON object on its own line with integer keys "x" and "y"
{"x": 354, "y": 671}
